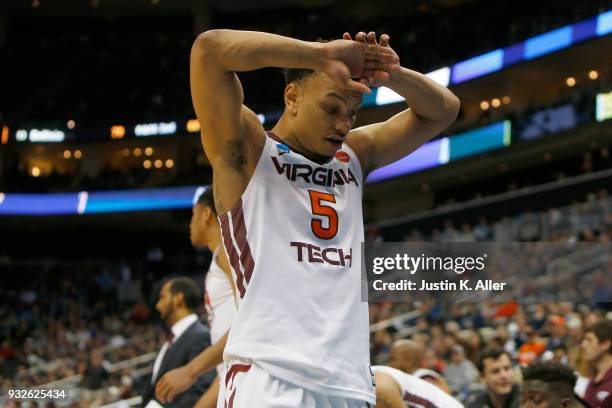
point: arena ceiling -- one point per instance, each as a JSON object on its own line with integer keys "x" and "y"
{"x": 65, "y": 8}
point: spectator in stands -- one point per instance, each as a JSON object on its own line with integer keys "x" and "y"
{"x": 187, "y": 337}
{"x": 532, "y": 348}
{"x": 95, "y": 375}
{"x": 460, "y": 372}
{"x": 549, "y": 385}
{"x": 495, "y": 368}
{"x": 558, "y": 332}
{"x": 597, "y": 350}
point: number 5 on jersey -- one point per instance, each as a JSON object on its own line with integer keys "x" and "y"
{"x": 318, "y": 202}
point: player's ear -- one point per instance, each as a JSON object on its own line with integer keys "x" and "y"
{"x": 207, "y": 213}
{"x": 292, "y": 97}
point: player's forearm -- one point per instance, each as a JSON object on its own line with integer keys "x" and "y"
{"x": 238, "y": 51}
{"x": 425, "y": 97}
{"x": 208, "y": 358}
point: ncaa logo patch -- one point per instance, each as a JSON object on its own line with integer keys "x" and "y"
{"x": 282, "y": 149}
{"x": 342, "y": 156}
{"x": 602, "y": 395}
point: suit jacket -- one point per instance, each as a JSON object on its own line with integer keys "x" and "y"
{"x": 195, "y": 339}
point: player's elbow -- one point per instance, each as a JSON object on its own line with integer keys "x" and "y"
{"x": 206, "y": 44}
{"x": 452, "y": 105}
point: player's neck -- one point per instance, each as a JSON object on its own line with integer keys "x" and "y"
{"x": 286, "y": 132}
{"x": 214, "y": 238}
{"x": 603, "y": 366}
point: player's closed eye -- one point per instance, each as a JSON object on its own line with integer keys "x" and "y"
{"x": 331, "y": 111}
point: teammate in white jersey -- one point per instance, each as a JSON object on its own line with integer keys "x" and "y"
{"x": 396, "y": 389}
{"x": 219, "y": 301}
{"x": 289, "y": 203}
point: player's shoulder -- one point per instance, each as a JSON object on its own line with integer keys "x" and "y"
{"x": 385, "y": 382}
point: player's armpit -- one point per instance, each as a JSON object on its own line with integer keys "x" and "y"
{"x": 388, "y": 392}
{"x": 231, "y": 133}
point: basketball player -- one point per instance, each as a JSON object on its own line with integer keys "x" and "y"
{"x": 289, "y": 204}
{"x": 219, "y": 301}
{"x": 550, "y": 385}
{"x": 396, "y": 389}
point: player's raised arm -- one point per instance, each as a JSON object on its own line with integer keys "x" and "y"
{"x": 432, "y": 108}
{"x": 217, "y": 94}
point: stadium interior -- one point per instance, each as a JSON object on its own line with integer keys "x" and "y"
{"x": 95, "y": 105}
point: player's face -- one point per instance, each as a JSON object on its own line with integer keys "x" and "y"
{"x": 537, "y": 394}
{"x": 498, "y": 375}
{"x": 326, "y": 114}
{"x": 197, "y": 227}
{"x": 164, "y": 304}
{"x": 592, "y": 349}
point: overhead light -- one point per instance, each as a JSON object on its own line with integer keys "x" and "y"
{"x": 571, "y": 81}
{"x": 158, "y": 164}
{"x": 148, "y": 151}
{"x": 137, "y": 152}
{"x": 5, "y": 134}
{"x": 117, "y": 132}
{"x": 125, "y": 152}
{"x": 67, "y": 154}
{"x": 506, "y": 100}
{"x": 593, "y": 75}
{"x": 495, "y": 103}
{"x": 35, "y": 171}
{"x": 484, "y": 105}
{"x": 193, "y": 125}
{"x": 146, "y": 164}
{"x": 169, "y": 163}
{"x": 71, "y": 124}
{"x": 77, "y": 154}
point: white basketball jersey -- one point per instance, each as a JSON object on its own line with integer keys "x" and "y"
{"x": 294, "y": 244}
{"x": 219, "y": 301}
{"x": 419, "y": 393}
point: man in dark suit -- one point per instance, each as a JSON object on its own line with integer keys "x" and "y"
{"x": 187, "y": 337}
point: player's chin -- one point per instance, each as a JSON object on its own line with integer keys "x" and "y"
{"x": 332, "y": 146}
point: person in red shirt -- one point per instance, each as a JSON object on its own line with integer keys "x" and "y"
{"x": 597, "y": 350}
{"x": 531, "y": 350}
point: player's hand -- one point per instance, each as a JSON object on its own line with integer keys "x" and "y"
{"x": 173, "y": 383}
{"x": 374, "y": 75}
{"x": 347, "y": 59}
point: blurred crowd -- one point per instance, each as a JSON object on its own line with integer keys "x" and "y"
{"x": 448, "y": 343}
{"x": 95, "y": 327}
{"x": 91, "y": 329}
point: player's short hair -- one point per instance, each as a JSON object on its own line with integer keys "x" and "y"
{"x": 207, "y": 199}
{"x": 492, "y": 353}
{"x": 190, "y": 290}
{"x": 551, "y": 372}
{"x": 298, "y": 74}
{"x": 603, "y": 331}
